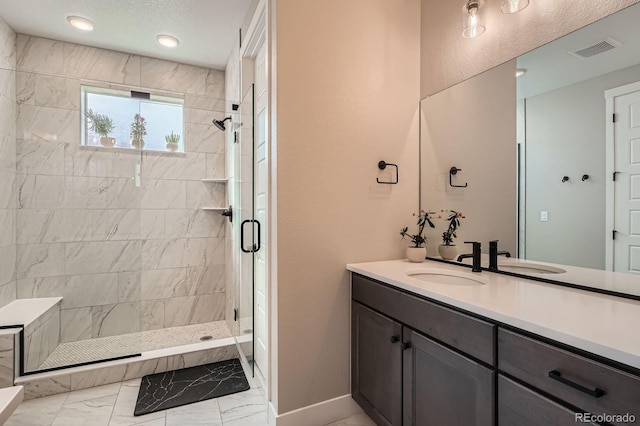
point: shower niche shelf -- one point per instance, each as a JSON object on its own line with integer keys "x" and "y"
{"x": 214, "y": 208}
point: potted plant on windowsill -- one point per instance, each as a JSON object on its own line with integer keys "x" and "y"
{"x": 102, "y": 125}
{"x": 172, "y": 142}
{"x": 447, "y": 250}
{"x": 418, "y": 252}
{"x": 138, "y": 131}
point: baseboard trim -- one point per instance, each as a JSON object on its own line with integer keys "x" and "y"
{"x": 319, "y": 414}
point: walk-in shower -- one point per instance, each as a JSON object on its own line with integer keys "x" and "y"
{"x": 126, "y": 245}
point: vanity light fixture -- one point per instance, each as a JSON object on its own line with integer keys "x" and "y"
{"x": 513, "y": 6}
{"x": 167, "y": 40}
{"x": 80, "y": 23}
{"x": 520, "y": 72}
{"x": 472, "y": 20}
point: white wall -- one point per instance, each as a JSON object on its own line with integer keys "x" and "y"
{"x": 347, "y": 93}
{"x": 7, "y": 164}
{"x": 447, "y": 58}
{"x": 472, "y": 126}
{"x": 565, "y": 135}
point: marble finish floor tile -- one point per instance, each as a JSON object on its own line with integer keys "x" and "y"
{"x": 189, "y": 385}
{"x": 247, "y": 408}
{"x": 71, "y": 353}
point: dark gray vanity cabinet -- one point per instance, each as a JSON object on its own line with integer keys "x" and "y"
{"x": 450, "y": 368}
{"x": 442, "y": 387}
{"x": 576, "y": 381}
{"x": 403, "y": 374}
{"x": 376, "y": 372}
{"x": 520, "y": 406}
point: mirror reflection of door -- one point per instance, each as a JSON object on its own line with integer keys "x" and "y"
{"x": 626, "y": 172}
{"x": 561, "y": 99}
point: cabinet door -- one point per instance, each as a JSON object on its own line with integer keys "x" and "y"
{"x": 376, "y": 365}
{"x": 442, "y": 387}
{"x": 520, "y": 406}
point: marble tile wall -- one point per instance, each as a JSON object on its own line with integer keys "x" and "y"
{"x": 125, "y": 258}
{"x": 7, "y": 164}
{"x": 9, "y": 339}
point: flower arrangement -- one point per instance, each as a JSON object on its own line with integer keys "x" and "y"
{"x": 424, "y": 219}
{"x": 454, "y": 223}
{"x": 99, "y": 123}
{"x": 138, "y": 127}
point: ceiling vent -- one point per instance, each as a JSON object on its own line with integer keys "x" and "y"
{"x": 597, "y": 48}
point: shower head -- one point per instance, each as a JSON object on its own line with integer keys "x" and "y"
{"x": 220, "y": 123}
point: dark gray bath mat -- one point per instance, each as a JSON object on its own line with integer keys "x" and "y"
{"x": 162, "y": 391}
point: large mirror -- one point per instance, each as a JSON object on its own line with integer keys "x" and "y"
{"x": 538, "y": 153}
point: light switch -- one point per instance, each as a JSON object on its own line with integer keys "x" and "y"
{"x": 544, "y": 216}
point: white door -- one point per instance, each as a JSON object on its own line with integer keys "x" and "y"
{"x": 260, "y": 203}
{"x": 626, "y": 244}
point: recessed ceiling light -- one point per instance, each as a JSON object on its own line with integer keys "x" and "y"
{"x": 167, "y": 40}
{"x": 80, "y": 23}
{"x": 520, "y": 72}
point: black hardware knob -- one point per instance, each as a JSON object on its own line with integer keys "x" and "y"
{"x": 228, "y": 213}
{"x": 565, "y": 179}
{"x": 585, "y": 177}
{"x": 405, "y": 345}
{"x": 395, "y": 339}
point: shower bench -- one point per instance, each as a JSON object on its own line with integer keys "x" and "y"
{"x": 39, "y": 321}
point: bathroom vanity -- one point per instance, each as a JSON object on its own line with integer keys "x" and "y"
{"x": 433, "y": 344}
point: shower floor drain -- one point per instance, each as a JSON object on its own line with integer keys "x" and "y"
{"x": 203, "y": 338}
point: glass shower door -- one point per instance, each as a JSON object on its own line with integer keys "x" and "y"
{"x": 245, "y": 229}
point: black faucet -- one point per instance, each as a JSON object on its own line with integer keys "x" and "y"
{"x": 494, "y": 253}
{"x": 475, "y": 255}
{"x": 464, "y": 256}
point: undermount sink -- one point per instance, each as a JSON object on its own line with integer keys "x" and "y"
{"x": 521, "y": 267}
{"x": 447, "y": 276}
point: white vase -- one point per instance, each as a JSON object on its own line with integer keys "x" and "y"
{"x": 107, "y": 142}
{"x": 448, "y": 252}
{"x": 416, "y": 254}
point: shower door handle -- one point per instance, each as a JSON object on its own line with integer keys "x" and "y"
{"x": 255, "y": 247}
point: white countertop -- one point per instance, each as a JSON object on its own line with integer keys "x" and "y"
{"x": 10, "y": 398}
{"x": 600, "y": 324}
{"x": 619, "y": 282}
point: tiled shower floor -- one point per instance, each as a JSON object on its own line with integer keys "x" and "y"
{"x": 114, "y": 346}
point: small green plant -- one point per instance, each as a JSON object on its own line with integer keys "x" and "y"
{"x": 138, "y": 127}
{"x": 424, "y": 219}
{"x": 454, "y": 223}
{"x": 99, "y": 123}
{"x": 172, "y": 138}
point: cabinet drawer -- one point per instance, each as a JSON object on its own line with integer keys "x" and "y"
{"x": 520, "y": 406}
{"x": 463, "y": 332}
{"x": 567, "y": 376}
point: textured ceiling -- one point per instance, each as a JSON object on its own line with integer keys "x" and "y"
{"x": 550, "y": 67}
{"x": 207, "y": 29}
{"x": 447, "y": 58}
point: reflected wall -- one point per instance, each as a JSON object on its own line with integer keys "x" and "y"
{"x": 472, "y": 126}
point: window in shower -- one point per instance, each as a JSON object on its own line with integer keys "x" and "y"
{"x": 123, "y": 111}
